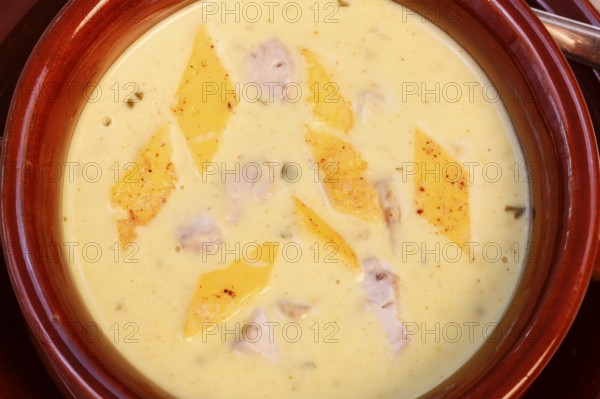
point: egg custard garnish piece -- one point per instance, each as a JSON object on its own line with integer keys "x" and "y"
{"x": 145, "y": 188}
{"x": 205, "y": 100}
{"x": 329, "y": 106}
{"x": 442, "y": 197}
{"x": 326, "y": 234}
{"x": 342, "y": 175}
{"x": 223, "y": 292}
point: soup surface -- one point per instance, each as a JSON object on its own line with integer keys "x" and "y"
{"x": 304, "y": 200}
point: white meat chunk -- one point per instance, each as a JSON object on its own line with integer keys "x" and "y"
{"x": 368, "y": 101}
{"x": 271, "y": 68}
{"x": 199, "y": 232}
{"x": 293, "y": 310}
{"x": 391, "y": 207}
{"x": 381, "y": 288}
{"x": 257, "y": 338}
{"x": 252, "y": 180}
{"x": 372, "y": 102}
{"x": 388, "y": 201}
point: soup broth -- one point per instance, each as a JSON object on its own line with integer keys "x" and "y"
{"x": 299, "y": 200}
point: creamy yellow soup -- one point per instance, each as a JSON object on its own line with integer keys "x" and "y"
{"x": 353, "y": 144}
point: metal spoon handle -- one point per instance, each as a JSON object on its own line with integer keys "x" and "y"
{"x": 579, "y": 41}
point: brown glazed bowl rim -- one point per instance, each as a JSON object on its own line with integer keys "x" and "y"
{"x": 79, "y": 373}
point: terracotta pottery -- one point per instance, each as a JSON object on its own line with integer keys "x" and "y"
{"x": 536, "y": 85}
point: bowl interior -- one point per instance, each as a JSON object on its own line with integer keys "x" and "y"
{"x": 535, "y": 85}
